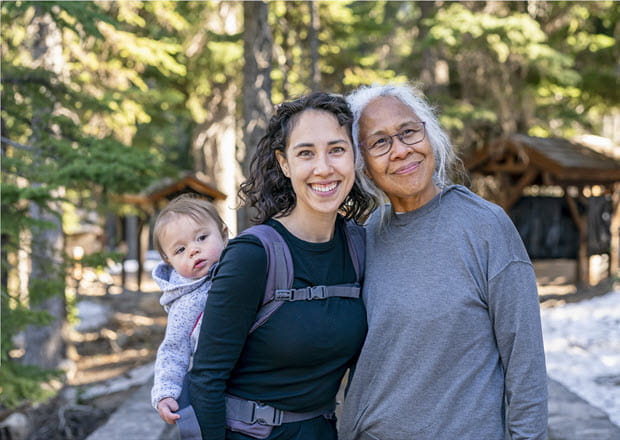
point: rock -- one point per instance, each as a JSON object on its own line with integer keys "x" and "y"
{"x": 136, "y": 377}
{"x": 18, "y": 426}
{"x": 92, "y": 316}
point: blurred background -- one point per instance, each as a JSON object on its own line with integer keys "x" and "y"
{"x": 112, "y": 108}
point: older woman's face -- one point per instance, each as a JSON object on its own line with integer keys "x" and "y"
{"x": 405, "y": 173}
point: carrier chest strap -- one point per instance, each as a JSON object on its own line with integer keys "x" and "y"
{"x": 249, "y": 411}
{"x": 318, "y": 292}
{"x": 280, "y": 271}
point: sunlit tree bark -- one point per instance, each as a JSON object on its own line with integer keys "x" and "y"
{"x": 214, "y": 139}
{"x": 257, "y": 55}
{"x": 313, "y": 36}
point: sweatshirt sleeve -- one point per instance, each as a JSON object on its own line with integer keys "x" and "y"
{"x": 236, "y": 294}
{"x": 174, "y": 353}
{"x": 515, "y": 312}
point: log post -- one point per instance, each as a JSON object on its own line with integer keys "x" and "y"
{"x": 614, "y": 251}
{"x": 583, "y": 260}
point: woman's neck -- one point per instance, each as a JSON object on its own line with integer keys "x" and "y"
{"x": 315, "y": 228}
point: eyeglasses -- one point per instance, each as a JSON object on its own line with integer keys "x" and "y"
{"x": 410, "y": 134}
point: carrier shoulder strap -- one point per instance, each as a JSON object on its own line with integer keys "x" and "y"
{"x": 356, "y": 240}
{"x": 279, "y": 269}
{"x": 278, "y": 288}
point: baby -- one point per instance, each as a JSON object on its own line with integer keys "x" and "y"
{"x": 190, "y": 236}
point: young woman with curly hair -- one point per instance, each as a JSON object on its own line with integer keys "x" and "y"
{"x": 303, "y": 184}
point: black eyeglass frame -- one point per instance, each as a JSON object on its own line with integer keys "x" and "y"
{"x": 399, "y": 135}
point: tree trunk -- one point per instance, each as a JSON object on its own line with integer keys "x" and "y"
{"x": 427, "y": 73}
{"x": 214, "y": 141}
{"x": 45, "y": 346}
{"x": 257, "y": 54}
{"x": 313, "y": 32}
{"x": 213, "y": 148}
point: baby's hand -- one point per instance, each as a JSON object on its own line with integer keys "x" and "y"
{"x": 167, "y": 408}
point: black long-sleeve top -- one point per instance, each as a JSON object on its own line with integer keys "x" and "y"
{"x": 296, "y": 360}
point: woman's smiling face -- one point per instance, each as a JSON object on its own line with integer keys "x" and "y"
{"x": 405, "y": 173}
{"x": 319, "y": 161}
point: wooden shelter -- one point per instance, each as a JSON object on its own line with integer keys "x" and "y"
{"x": 519, "y": 161}
{"x": 155, "y": 197}
{"x": 162, "y": 191}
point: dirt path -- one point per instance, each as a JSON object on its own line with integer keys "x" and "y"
{"x": 128, "y": 340}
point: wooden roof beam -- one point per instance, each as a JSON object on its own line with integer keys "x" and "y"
{"x": 516, "y": 191}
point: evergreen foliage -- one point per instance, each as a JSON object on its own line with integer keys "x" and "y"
{"x": 141, "y": 81}
{"x": 65, "y": 137}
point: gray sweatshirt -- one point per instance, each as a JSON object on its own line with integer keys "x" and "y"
{"x": 454, "y": 347}
{"x": 184, "y": 299}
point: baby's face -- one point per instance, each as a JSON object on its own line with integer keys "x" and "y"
{"x": 191, "y": 248}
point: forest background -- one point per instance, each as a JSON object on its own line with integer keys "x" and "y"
{"x": 103, "y": 98}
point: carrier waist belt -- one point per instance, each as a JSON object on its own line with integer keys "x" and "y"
{"x": 249, "y": 411}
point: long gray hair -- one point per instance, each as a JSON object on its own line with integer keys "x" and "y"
{"x": 412, "y": 97}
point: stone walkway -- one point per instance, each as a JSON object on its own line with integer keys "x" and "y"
{"x": 135, "y": 419}
{"x": 570, "y": 418}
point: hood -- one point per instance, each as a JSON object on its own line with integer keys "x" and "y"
{"x": 174, "y": 285}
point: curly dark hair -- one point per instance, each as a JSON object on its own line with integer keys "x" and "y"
{"x": 267, "y": 189}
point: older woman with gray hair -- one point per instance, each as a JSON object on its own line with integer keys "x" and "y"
{"x": 454, "y": 347}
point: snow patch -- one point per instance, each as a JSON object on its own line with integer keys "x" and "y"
{"x": 582, "y": 348}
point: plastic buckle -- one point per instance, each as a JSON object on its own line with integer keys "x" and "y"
{"x": 330, "y": 415}
{"x": 284, "y": 294}
{"x": 318, "y": 292}
{"x": 266, "y": 415}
